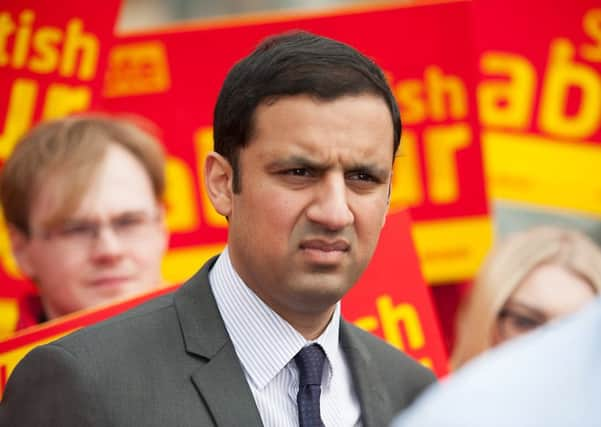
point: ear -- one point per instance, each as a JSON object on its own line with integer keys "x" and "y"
{"x": 389, "y": 192}
{"x": 218, "y": 183}
{"x": 387, "y": 204}
{"x": 21, "y": 248}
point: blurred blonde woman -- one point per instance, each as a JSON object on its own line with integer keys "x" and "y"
{"x": 532, "y": 277}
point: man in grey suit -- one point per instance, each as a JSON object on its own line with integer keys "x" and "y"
{"x": 306, "y": 130}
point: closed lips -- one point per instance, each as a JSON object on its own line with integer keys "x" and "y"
{"x": 326, "y": 246}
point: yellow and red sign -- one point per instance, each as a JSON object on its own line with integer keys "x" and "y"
{"x": 539, "y": 99}
{"x": 52, "y": 61}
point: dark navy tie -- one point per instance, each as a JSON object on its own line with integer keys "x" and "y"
{"x": 310, "y": 367}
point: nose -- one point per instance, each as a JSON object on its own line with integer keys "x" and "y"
{"x": 330, "y": 207}
{"x": 107, "y": 246}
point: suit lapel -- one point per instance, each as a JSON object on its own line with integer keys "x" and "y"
{"x": 375, "y": 404}
{"x": 223, "y": 387}
{"x": 220, "y": 380}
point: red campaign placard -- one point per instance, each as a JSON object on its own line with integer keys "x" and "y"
{"x": 539, "y": 96}
{"x": 173, "y": 78}
{"x": 52, "y": 63}
{"x": 391, "y": 300}
{"x": 539, "y": 102}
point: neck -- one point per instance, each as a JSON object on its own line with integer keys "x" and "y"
{"x": 310, "y": 325}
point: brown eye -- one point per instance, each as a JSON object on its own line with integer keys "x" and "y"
{"x": 513, "y": 323}
{"x": 297, "y": 172}
{"x": 361, "y": 176}
{"x": 522, "y": 322}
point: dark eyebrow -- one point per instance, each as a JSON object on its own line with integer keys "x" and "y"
{"x": 535, "y": 312}
{"x": 304, "y": 162}
{"x": 297, "y": 162}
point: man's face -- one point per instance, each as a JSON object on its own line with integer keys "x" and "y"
{"x": 109, "y": 248}
{"x": 315, "y": 182}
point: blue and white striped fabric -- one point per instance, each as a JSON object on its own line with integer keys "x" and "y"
{"x": 266, "y": 345}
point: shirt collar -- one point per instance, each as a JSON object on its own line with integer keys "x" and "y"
{"x": 264, "y": 342}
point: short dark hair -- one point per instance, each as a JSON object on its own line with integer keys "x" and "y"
{"x": 292, "y": 63}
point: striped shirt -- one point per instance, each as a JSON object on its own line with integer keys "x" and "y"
{"x": 266, "y": 345}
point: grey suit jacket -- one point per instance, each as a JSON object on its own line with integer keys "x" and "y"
{"x": 170, "y": 363}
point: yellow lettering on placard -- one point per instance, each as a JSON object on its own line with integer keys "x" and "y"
{"x": 21, "y": 104}
{"x": 45, "y": 41}
{"x": 39, "y": 50}
{"x": 203, "y": 142}
{"x": 22, "y": 39}
{"x": 412, "y": 105}
{"x": 439, "y": 97}
{"x": 441, "y": 146}
{"x": 591, "y": 24}
{"x": 562, "y": 75}
{"x": 392, "y": 316}
{"x": 406, "y": 180}
{"x": 77, "y": 43}
{"x": 182, "y": 214}
{"x": 447, "y": 96}
{"x": 62, "y": 100}
{"x": 7, "y": 26}
{"x": 507, "y": 100}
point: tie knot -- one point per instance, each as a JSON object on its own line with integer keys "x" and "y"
{"x": 310, "y": 364}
